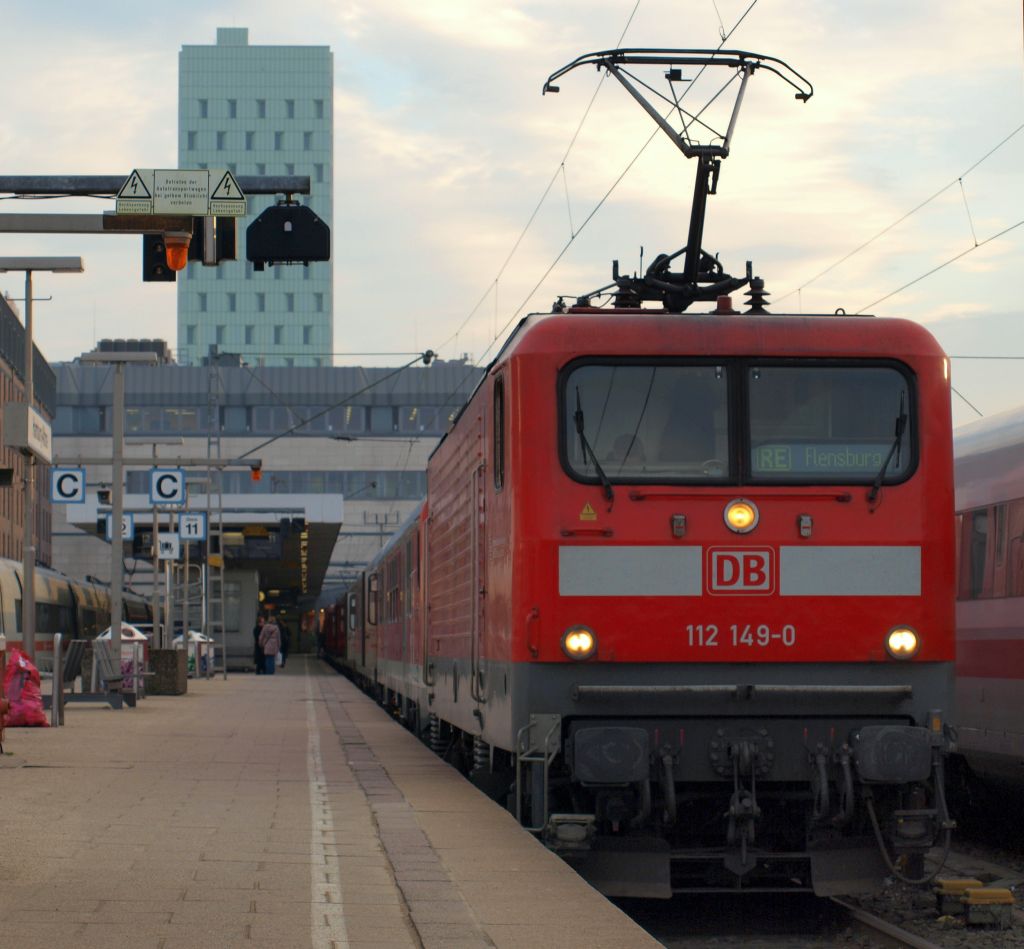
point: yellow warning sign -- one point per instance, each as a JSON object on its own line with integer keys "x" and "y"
{"x": 588, "y": 513}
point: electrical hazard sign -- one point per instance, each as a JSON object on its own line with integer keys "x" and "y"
{"x": 196, "y": 192}
{"x": 226, "y": 199}
{"x": 135, "y": 196}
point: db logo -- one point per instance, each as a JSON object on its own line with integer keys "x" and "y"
{"x": 740, "y": 571}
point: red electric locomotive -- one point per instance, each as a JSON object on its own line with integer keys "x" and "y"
{"x": 682, "y": 590}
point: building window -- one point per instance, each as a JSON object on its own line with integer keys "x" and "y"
{"x": 261, "y": 108}
{"x": 190, "y": 334}
{"x": 318, "y": 108}
{"x": 289, "y": 168}
{"x": 221, "y": 139}
{"x": 204, "y": 106}
{"x": 289, "y": 362}
{"x": 201, "y": 300}
{"x": 232, "y": 302}
{"x": 307, "y": 335}
{"x": 250, "y": 138}
{"x": 318, "y": 171}
{"x": 219, "y": 334}
{"x": 278, "y": 141}
{"x": 318, "y": 362}
{"x": 277, "y": 272}
{"x": 289, "y": 302}
{"x": 318, "y": 300}
{"x": 250, "y": 334}
{"x": 307, "y": 141}
{"x": 289, "y": 108}
{"x": 261, "y": 169}
{"x": 261, "y": 304}
{"x": 382, "y": 419}
{"x": 278, "y": 335}
{"x": 232, "y": 108}
{"x": 191, "y": 146}
{"x": 233, "y": 167}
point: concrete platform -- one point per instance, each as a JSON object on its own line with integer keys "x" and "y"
{"x": 284, "y": 811}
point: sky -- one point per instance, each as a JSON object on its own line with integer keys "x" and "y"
{"x": 445, "y": 148}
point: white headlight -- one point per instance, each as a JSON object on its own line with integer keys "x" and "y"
{"x": 902, "y": 643}
{"x": 579, "y": 642}
{"x": 741, "y": 516}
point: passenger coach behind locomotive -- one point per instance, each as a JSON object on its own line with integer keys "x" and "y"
{"x": 990, "y": 611}
{"x": 684, "y": 582}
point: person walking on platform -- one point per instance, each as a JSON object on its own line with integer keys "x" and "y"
{"x": 257, "y": 647}
{"x": 286, "y": 641}
{"x": 270, "y": 641}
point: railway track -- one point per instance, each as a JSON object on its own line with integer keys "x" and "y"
{"x": 767, "y": 921}
{"x": 881, "y": 931}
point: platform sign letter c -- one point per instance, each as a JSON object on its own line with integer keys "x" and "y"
{"x": 67, "y": 485}
{"x": 167, "y": 486}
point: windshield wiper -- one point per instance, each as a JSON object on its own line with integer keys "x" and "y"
{"x": 894, "y": 449}
{"x": 578, "y": 419}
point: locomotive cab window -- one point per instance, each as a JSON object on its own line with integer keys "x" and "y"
{"x": 831, "y": 424}
{"x": 647, "y": 421}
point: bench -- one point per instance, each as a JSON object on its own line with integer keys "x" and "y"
{"x": 107, "y": 671}
{"x": 64, "y": 676}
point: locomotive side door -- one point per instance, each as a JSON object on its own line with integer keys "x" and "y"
{"x": 479, "y": 569}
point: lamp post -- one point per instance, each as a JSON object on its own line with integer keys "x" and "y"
{"x": 118, "y": 361}
{"x": 28, "y": 598}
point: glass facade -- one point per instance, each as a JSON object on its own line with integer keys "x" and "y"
{"x": 258, "y": 110}
{"x": 241, "y": 420}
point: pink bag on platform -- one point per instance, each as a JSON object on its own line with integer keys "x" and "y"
{"x": 21, "y": 685}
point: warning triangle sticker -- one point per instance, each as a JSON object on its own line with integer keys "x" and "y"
{"x": 227, "y": 190}
{"x": 135, "y": 187}
{"x": 588, "y": 513}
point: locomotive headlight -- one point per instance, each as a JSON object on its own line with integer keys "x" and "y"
{"x": 902, "y": 643}
{"x": 741, "y": 516}
{"x": 578, "y": 642}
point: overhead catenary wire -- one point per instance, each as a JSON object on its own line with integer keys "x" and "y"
{"x": 942, "y": 266}
{"x": 967, "y": 401}
{"x": 559, "y": 170}
{"x": 426, "y": 357}
{"x": 885, "y": 230}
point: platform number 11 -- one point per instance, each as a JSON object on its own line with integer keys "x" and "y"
{"x": 192, "y": 526}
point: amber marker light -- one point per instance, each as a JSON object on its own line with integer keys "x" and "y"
{"x": 902, "y": 643}
{"x": 741, "y": 516}
{"x": 176, "y": 249}
{"x": 579, "y": 642}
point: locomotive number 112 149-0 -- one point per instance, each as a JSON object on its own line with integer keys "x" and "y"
{"x": 739, "y": 634}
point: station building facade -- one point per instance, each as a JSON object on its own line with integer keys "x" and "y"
{"x": 12, "y": 461}
{"x": 258, "y": 110}
{"x": 348, "y": 445}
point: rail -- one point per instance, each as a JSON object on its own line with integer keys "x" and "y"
{"x": 886, "y": 933}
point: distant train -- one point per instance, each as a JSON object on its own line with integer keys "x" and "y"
{"x": 78, "y": 609}
{"x": 681, "y": 595}
{"x": 989, "y": 469}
